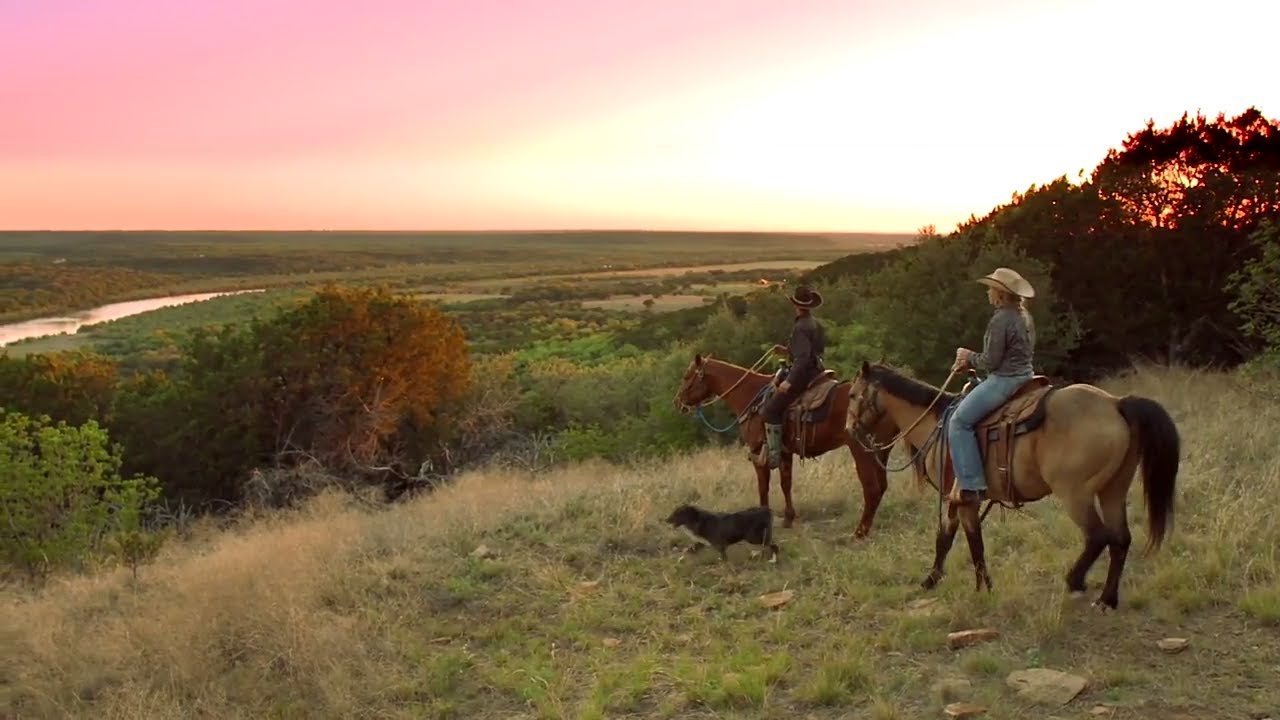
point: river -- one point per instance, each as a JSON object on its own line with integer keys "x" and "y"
{"x": 70, "y": 324}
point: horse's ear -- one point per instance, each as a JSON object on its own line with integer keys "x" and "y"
{"x": 866, "y": 368}
{"x": 697, "y": 358}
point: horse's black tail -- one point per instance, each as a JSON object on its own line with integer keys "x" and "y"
{"x": 1161, "y": 448}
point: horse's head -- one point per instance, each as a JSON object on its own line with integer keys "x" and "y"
{"x": 694, "y": 388}
{"x": 865, "y": 411}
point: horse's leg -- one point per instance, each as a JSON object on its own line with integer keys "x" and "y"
{"x": 874, "y": 482}
{"x": 942, "y": 545}
{"x": 762, "y": 483}
{"x": 784, "y": 472}
{"x": 1096, "y": 538}
{"x": 977, "y": 549}
{"x": 1115, "y": 514}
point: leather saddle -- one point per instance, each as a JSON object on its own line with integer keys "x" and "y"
{"x": 816, "y": 392}
{"x": 998, "y": 430}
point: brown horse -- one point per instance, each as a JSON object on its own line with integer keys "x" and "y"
{"x": 707, "y": 380}
{"x": 1078, "y": 442}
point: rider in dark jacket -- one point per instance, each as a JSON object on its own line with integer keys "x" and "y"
{"x": 808, "y": 342}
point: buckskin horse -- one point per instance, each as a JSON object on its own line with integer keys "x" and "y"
{"x": 1077, "y": 442}
{"x": 814, "y": 426}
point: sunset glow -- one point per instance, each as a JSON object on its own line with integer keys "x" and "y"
{"x": 717, "y": 114}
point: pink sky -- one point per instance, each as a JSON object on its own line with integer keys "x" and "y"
{"x": 714, "y": 114}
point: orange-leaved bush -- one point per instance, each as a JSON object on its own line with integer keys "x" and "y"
{"x": 355, "y": 368}
{"x": 350, "y": 380}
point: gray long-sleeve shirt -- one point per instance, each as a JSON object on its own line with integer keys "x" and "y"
{"x": 1008, "y": 345}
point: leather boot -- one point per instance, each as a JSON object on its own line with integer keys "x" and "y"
{"x": 773, "y": 440}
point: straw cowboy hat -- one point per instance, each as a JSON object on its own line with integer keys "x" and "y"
{"x": 1009, "y": 281}
{"x": 806, "y": 297}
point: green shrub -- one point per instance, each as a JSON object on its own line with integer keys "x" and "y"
{"x": 1256, "y": 287}
{"x": 62, "y": 495}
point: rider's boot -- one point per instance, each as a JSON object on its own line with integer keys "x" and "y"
{"x": 773, "y": 439}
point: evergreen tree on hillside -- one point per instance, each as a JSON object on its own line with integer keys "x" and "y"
{"x": 1187, "y": 198}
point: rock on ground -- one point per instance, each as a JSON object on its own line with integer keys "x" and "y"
{"x": 1045, "y": 686}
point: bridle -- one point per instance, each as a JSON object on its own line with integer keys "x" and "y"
{"x": 700, "y": 375}
{"x": 870, "y": 393}
{"x": 872, "y": 387}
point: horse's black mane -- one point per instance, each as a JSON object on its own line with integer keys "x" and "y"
{"x": 913, "y": 391}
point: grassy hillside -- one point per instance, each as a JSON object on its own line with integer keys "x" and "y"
{"x": 582, "y": 607}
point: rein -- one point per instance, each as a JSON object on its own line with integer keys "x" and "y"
{"x": 934, "y": 438}
{"x": 934, "y": 442}
{"x": 732, "y": 423}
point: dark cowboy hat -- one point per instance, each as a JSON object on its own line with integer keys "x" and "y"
{"x": 805, "y": 297}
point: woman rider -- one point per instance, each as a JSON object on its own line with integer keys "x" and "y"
{"x": 1008, "y": 349}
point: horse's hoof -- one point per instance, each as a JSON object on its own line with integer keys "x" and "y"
{"x": 930, "y": 582}
{"x": 1101, "y": 606}
{"x": 787, "y": 522}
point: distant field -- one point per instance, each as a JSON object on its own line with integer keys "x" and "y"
{"x": 259, "y": 253}
{"x": 637, "y": 302}
{"x": 641, "y": 273}
{"x": 459, "y": 297}
{"x": 726, "y": 267}
{"x": 47, "y": 273}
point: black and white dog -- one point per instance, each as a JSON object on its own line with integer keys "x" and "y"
{"x": 721, "y": 529}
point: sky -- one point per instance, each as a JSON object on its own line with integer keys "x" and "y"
{"x": 815, "y": 115}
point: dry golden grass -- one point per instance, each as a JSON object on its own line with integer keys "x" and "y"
{"x": 584, "y": 611}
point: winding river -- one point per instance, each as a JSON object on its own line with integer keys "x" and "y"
{"x": 70, "y": 324}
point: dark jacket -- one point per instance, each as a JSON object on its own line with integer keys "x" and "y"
{"x": 807, "y": 344}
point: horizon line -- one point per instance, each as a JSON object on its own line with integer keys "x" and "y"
{"x": 470, "y": 231}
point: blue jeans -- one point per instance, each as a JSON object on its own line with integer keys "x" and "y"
{"x": 982, "y": 399}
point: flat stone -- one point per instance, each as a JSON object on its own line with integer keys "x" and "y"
{"x": 1172, "y": 645}
{"x": 776, "y": 600}
{"x": 611, "y": 642}
{"x": 1046, "y": 686}
{"x": 963, "y": 710}
{"x": 964, "y": 638}
{"x": 1100, "y": 710}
